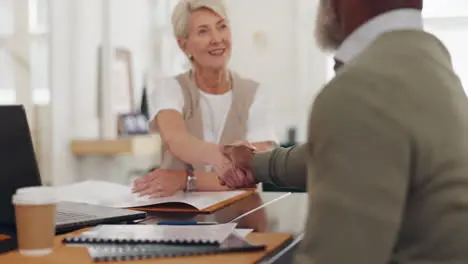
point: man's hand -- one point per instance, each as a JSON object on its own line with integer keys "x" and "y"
{"x": 240, "y": 174}
{"x": 160, "y": 183}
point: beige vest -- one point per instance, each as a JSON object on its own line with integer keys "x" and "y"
{"x": 235, "y": 127}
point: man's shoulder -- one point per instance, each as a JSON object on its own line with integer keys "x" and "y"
{"x": 368, "y": 74}
{"x": 357, "y": 89}
{"x": 350, "y": 79}
{"x": 393, "y": 55}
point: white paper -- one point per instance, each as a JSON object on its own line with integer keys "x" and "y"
{"x": 120, "y": 196}
{"x": 162, "y": 233}
{"x": 243, "y": 232}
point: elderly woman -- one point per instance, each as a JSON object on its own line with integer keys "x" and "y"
{"x": 200, "y": 110}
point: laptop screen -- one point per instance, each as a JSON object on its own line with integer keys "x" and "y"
{"x": 18, "y": 165}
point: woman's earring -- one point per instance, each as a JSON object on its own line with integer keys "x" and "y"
{"x": 190, "y": 57}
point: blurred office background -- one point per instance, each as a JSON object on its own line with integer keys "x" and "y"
{"x": 50, "y": 61}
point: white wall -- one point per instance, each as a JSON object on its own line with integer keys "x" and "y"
{"x": 273, "y": 43}
{"x": 62, "y": 81}
{"x": 131, "y": 29}
{"x": 285, "y": 60}
{"x": 265, "y": 48}
{"x": 87, "y": 34}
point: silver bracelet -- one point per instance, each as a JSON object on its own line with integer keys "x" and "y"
{"x": 191, "y": 182}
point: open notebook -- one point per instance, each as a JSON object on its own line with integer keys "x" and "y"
{"x": 120, "y": 196}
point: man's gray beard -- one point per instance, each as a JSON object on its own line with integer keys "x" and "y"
{"x": 328, "y": 33}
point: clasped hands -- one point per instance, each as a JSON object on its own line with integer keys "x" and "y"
{"x": 239, "y": 172}
{"x": 233, "y": 166}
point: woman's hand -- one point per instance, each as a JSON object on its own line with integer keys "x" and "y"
{"x": 160, "y": 183}
{"x": 221, "y": 163}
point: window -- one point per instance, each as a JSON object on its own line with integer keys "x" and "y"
{"x": 6, "y": 17}
{"x": 38, "y": 23}
{"x": 39, "y": 56}
{"x": 39, "y": 53}
{"x": 330, "y": 65}
{"x": 454, "y": 39}
{"x": 445, "y": 9}
{"x": 40, "y": 70}
{"x": 7, "y": 93}
{"x": 168, "y": 54}
{"x": 449, "y": 22}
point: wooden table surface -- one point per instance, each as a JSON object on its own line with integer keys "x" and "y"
{"x": 79, "y": 255}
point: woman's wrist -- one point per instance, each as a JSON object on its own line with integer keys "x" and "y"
{"x": 214, "y": 155}
{"x": 182, "y": 176}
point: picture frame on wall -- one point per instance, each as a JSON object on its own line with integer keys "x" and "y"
{"x": 120, "y": 96}
{"x": 132, "y": 124}
{"x": 122, "y": 82}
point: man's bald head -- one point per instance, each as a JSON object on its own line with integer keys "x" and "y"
{"x": 337, "y": 19}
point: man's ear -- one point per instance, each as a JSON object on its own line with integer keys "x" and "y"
{"x": 335, "y": 4}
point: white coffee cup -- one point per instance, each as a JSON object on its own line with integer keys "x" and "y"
{"x": 35, "y": 219}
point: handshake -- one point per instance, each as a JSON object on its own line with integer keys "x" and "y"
{"x": 237, "y": 171}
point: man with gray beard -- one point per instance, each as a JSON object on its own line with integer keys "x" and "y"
{"x": 386, "y": 161}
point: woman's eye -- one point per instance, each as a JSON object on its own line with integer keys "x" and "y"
{"x": 223, "y": 26}
{"x": 202, "y": 31}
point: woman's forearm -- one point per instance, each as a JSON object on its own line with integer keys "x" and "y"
{"x": 208, "y": 181}
{"x": 192, "y": 150}
{"x": 181, "y": 143}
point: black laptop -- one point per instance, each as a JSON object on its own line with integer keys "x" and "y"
{"x": 18, "y": 168}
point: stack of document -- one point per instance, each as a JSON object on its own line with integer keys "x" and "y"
{"x": 149, "y": 234}
{"x": 121, "y": 196}
{"x": 124, "y": 242}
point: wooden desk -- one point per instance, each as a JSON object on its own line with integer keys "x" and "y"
{"x": 79, "y": 255}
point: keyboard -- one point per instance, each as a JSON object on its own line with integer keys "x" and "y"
{"x": 69, "y": 216}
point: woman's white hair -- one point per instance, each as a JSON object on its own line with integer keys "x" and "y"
{"x": 185, "y": 8}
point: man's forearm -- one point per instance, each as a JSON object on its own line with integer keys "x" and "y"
{"x": 283, "y": 167}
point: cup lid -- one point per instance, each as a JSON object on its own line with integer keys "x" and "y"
{"x": 35, "y": 195}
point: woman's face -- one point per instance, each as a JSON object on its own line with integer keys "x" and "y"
{"x": 209, "y": 39}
